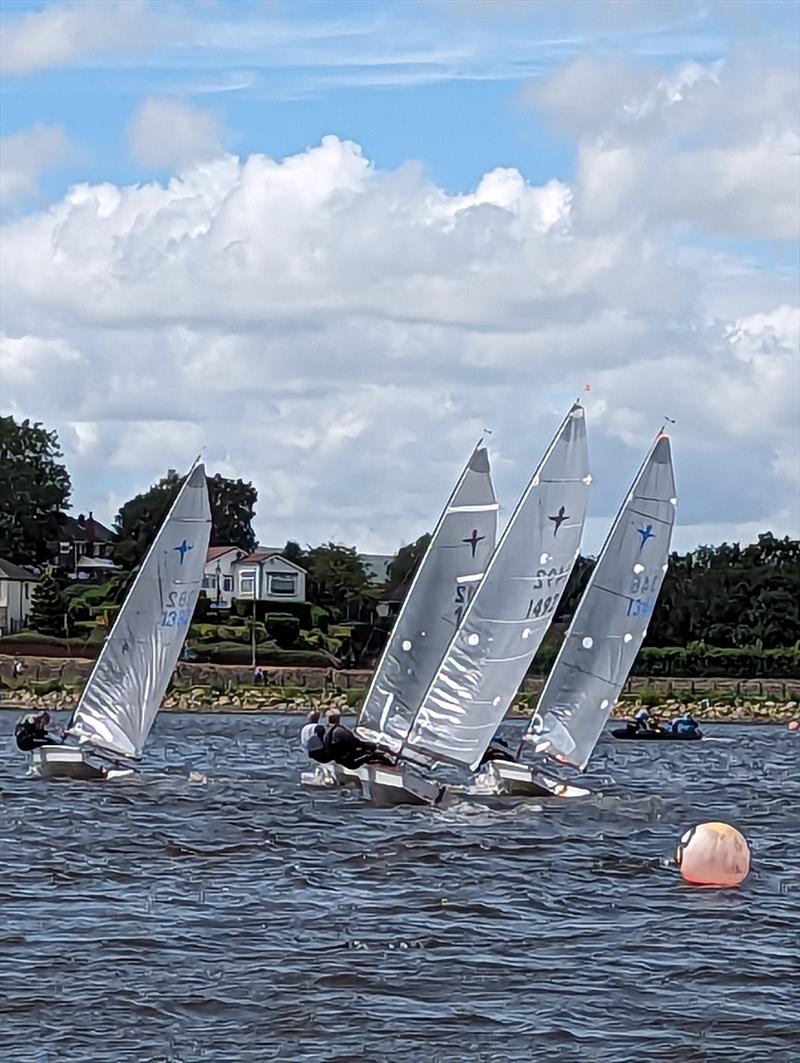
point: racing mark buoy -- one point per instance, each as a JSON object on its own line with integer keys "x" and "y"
{"x": 713, "y": 854}
{"x": 794, "y": 725}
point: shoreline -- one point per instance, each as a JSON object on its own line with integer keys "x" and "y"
{"x": 719, "y": 714}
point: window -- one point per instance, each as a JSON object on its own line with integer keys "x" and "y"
{"x": 209, "y": 583}
{"x": 63, "y": 548}
{"x": 227, "y": 583}
{"x": 247, "y": 583}
{"x": 283, "y": 584}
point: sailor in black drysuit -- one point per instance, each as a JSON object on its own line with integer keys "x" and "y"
{"x": 498, "y": 749}
{"x": 31, "y": 732}
{"x": 343, "y": 747}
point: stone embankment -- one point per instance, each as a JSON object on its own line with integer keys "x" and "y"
{"x": 55, "y": 683}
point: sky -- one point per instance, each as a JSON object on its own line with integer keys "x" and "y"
{"x": 331, "y": 244}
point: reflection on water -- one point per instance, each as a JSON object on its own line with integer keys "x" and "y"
{"x": 213, "y": 910}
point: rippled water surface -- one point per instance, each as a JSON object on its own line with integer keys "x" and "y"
{"x": 240, "y": 917}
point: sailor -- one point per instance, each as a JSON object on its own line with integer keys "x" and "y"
{"x": 344, "y": 747}
{"x": 31, "y": 732}
{"x": 498, "y": 749}
{"x": 312, "y": 738}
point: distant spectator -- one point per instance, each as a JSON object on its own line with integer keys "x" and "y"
{"x": 18, "y": 667}
{"x": 258, "y": 677}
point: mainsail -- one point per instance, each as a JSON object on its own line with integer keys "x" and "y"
{"x": 513, "y": 605}
{"x": 611, "y": 619}
{"x": 454, "y": 562}
{"x": 122, "y": 696}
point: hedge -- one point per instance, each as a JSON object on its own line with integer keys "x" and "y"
{"x": 266, "y": 653}
{"x": 283, "y": 628}
{"x": 748, "y": 662}
{"x": 302, "y": 610}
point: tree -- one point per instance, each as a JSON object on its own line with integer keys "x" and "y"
{"x": 402, "y": 569}
{"x": 338, "y": 579}
{"x": 138, "y": 521}
{"x": 294, "y": 552}
{"x": 34, "y": 490}
{"x": 48, "y": 606}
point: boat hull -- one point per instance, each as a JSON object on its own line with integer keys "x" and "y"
{"x": 386, "y": 787}
{"x": 654, "y": 736}
{"x": 505, "y": 778}
{"x": 326, "y": 776}
{"x": 70, "y": 762}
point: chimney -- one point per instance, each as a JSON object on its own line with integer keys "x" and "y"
{"x": 81, "y": 519}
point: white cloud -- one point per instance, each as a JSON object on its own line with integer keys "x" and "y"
{"x": 168, "y": 133}
{"x": 61, "y": 34}
{"x": 717, "y": 146}
{"x": 342, "y": 335}
{"x": 25, "y": 156}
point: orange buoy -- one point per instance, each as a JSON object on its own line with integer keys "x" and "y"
{"x": 713, "y": 854}
{"x": 794, "y": 725}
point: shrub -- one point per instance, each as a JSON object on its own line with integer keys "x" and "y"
{"x": 283, "y": 628}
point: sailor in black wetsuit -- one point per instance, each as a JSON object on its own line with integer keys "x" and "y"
{"x": 345, "y": 748}
{"x": 31, "y": 732}
{"x": 498, "y": 749}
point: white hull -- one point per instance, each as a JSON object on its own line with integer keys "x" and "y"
{"x": 329, "y": 775}
{"x": 505, "y": 778}
{"x": 385, "y": 787}
{"x": 70, "y": 762}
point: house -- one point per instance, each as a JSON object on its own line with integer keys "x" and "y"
{"x": 16, "y": 591}
{"x": 219, "y": 576}
{"x": 83, "y": 548}
{"x": 267, "y": 576}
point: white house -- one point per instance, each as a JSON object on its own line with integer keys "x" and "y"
{"x": 16, "y": 590}
{"x": 219, "y": 577}
{"x": 267, "y": 576}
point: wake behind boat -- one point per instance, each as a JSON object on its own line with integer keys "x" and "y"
{"x": 108, "y": 729}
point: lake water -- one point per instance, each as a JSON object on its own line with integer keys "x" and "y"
{"x": 244, "y": 918}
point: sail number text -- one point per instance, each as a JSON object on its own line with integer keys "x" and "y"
{"x": 179, "y": 609}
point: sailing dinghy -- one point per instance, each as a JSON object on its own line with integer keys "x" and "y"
{"x": 499, "y": 632}
{"x": 456, "y": 557}
{"x": 108, "y": 729}
{"x": 607, "y": 629}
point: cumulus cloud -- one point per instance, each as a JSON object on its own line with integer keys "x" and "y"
{"x": 167, "y": 133}
{"x": 25, "y": 156}
{"x": 342, "y": 335}
{"x": 715, "y": 145}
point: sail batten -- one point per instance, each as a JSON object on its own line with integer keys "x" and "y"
{"x": 118, "y": 705}
{"x": 456, "y": 558}
{"x": 512, "y": 607}
{"x": 611, "y": 620}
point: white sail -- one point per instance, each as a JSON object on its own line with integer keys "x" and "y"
{"x": 513, "y": 605}
{"x": 611, "y": 619}
{"x": 454, "y": 562}
{"x": 127, "y": 684}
